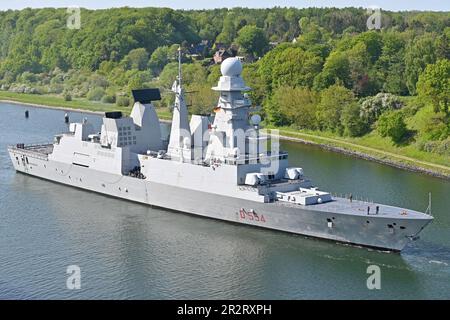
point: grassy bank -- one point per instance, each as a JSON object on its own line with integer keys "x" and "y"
{"x": 378, "y": 149}
{"x": 371, "y": 146}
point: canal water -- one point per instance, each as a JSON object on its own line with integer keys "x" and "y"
{"x": 132, "y": 251}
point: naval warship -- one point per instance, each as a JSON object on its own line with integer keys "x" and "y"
{"x": 216, "y": 166}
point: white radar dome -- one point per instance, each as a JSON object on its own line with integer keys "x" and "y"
{"x": 231, "y": 67}
{"x": 256, "y": 119}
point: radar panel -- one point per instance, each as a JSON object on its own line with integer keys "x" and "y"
{"x": 145, "y": 96}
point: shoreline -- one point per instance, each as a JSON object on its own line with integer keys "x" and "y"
{"x": 42, "y": 106}
{"x": 368, "y": 157}
{"x": 67, "y": 109}
{"x": 324, "y": 146}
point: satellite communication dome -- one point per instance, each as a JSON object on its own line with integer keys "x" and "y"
{"x": 231, "y": 67}
{"x": 256, "y": 119}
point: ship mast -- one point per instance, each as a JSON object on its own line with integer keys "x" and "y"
{"x": 179, "y": 68}
{"x": 180, "y": 135}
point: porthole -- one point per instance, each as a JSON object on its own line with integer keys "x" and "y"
{"x": 402, "y": 227}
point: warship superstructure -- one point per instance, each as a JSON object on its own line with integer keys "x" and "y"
{"x": 218, "y": 167}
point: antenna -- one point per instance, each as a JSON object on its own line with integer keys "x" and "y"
{"x": 179, "y": 66}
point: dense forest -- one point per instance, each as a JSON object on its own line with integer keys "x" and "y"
{"x": 312, "y": 69}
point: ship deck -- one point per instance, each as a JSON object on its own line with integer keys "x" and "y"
{"x": 40, "y": 150}
{"x": 360, "y": 208}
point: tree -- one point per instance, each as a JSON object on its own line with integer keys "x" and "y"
{"x": 293, "y": 106}
{"x": 267, "y": 64}
{"x": 395, "y": 80}
{"x": 373, "y": 107}
{"x": 391, "y": 64}
{"x": 332, "y": 102}
{"x": 336, "y": 69}
{"x": 354, "y": 125}
{"x": 254, "y": 81}
{"x": 96, "y": 94}
{"x": 202, "y": 100}
{"x": 138, "y": 79}
{"x": 159, "y": 59}
{"x": 290, "y": 66}
{"x": 276, "y": 25}
{"x": 434, "y": 85}
{"x": 419, "y": 53}
{"x": 373, "y": 44}
{"x": 391, "y": 124}
{"x": 312, "y": 33}
{"x": 137, "y": 59}
{"x": 443, "y": 46}
{"x": 252, "y": 40}
{"x": 360, "y": 62}
{"x": 229, "y": 29}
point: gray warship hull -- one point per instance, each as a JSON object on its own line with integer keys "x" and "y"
{"x": 339, "y": 220}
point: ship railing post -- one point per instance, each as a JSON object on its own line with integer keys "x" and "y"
{"x": 428, "y": 211}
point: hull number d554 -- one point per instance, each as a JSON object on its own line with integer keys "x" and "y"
{"x": 251, "y": 215}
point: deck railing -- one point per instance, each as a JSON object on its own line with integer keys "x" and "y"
{"x": 31, "y": 150}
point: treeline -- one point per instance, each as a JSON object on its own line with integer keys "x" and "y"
{"x": 38, "y": 40}
{"x": 318, "y": 69}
